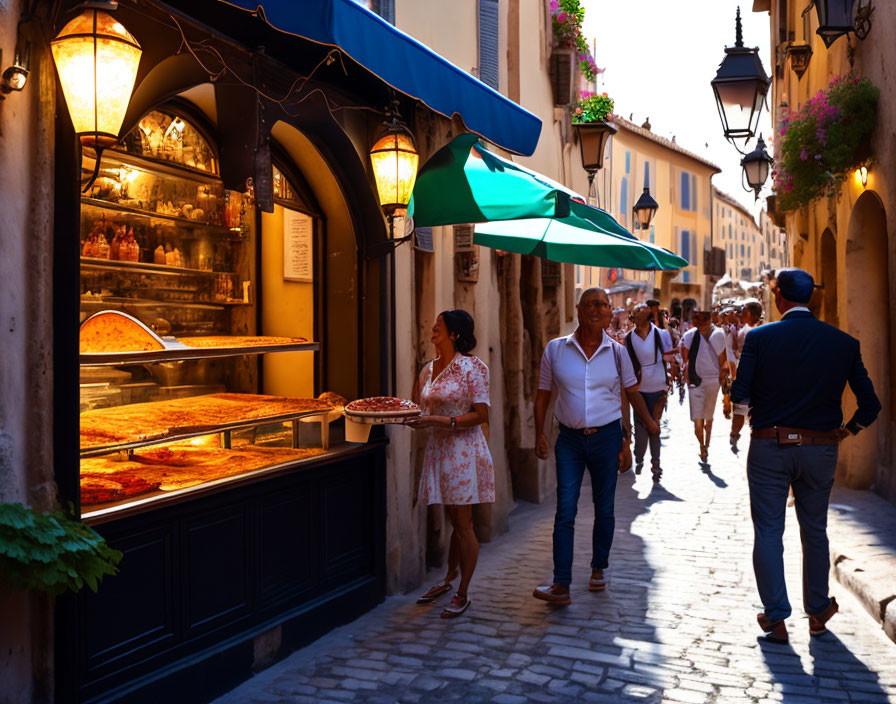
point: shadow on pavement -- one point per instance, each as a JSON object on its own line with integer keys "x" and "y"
{"x": 832, "y": 663}
{"x": 706, "y": 468}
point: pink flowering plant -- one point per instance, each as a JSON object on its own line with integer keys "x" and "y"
{"x": 567, "y": 17}
{"x": 822, "y": 141}
{"x": 592, "y": 107}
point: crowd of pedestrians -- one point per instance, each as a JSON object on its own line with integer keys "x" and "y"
{"x": 788, "y": 377}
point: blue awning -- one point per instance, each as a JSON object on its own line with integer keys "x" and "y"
{"x": 405, "y": 64}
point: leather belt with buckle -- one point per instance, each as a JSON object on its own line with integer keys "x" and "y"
{"x": 796, "y": 437}
{"x": 585, "y": 431}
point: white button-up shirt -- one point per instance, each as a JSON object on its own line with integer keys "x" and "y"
{"x": 707, "y": 362}
{"x": 653, "y": 369}
{"x": 588, "y": 390}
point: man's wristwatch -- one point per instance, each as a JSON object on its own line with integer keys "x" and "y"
{"x": 454, "y": 422}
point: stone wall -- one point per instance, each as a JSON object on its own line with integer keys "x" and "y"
{"x": 26, "y": 234}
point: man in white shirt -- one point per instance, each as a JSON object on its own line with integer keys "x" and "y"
{"x": 648, "y": 349}
{"x": 591, "y": 374}
{"x": 750, "y": 315}
{"x": 703, "y": 351}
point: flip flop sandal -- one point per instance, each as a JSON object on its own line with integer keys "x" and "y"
{"x": 435, "y": 593}
{"x": 452, "y": 611}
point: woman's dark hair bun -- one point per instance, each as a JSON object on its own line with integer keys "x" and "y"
{"x": 460, "y": 324}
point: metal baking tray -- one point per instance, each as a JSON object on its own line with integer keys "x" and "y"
{"x": 196, "y": 431}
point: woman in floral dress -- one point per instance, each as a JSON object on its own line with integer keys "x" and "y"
{"x": 457, "y": 469}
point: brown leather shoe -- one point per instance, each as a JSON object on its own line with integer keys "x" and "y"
{"x": 817, "y": 621}
{"x": 556, "y": 594}
{"x": 598, "y": 581}
{"x": 776, "y": 631}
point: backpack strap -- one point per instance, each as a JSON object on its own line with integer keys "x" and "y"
{"x": 630, "y": 347}
{"x": 694, "y": 378}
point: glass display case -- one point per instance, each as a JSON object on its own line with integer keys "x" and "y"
{"x": 170, "y": 349}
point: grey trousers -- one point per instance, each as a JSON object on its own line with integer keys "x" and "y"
{"x": 771, "y": 471}
{"x": 642, "y": 437}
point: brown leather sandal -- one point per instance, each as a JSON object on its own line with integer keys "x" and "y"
{"x": 775, "y": 631}
{"x": 456, "y": 606}
{"x": 817, "y": 621}
{"x": 435, "y": 593}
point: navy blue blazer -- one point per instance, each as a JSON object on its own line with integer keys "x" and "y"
{"x": 793, "y": 372}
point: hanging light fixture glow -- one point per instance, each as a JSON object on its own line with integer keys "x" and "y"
{"x": 394, "y": 160}
{"x": 97, "y": 60}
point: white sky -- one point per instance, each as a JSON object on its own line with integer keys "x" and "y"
{"x": 659, "y": 58}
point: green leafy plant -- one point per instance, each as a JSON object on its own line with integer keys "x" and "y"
{"x": 567, "y": 17}
{"x": 50, "y": 552}
{"x": 592, "y": 107}
{"x": 822, "y": 142}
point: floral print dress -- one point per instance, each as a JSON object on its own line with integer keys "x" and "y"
{"x": 457, "y": 466}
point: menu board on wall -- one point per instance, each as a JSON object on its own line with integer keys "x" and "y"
{"x": 298, "y": 246}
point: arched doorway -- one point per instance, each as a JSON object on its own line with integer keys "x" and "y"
{"x": 867, "y": 457}
{"x": 828, "y": 268}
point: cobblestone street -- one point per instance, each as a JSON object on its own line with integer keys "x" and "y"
{"x": 676, "y": 624}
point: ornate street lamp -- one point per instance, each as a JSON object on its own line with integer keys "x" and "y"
{"x": 97, "y": 59}
{"x": 593, "y": 138}
{"x": 644, "y": 210}
{"x": 800, "y": 55}
{"x": 835, "y": 19}
{"x": 740, "y": 86}
{"x": 756, "y": 166}
{"x": 394, "y": 160}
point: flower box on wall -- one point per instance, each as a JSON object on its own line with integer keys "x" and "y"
{"x": 564, "y": 75}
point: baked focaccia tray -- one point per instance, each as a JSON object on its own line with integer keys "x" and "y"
{"x": 172, "y": 467}
{"x": 105, "y": 430}
{"x": 112, "y": 337}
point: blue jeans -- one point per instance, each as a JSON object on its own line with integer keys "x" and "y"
{"x": 599, "y": 452}
{"x": 771, "y": 472}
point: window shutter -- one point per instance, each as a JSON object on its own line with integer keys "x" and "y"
{"x": 685, "y": 191}
{"x": 623, "y": 199}
{"x": 646, "y": 174}
{"x": 693, "y": 193}
{"x": 488, "y": 42}
{"x": 385, "y": 9}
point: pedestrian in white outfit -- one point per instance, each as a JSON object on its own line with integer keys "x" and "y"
{"x": 703, "y": 352}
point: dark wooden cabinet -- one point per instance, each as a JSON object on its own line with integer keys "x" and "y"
{"x": 304, "y": 550}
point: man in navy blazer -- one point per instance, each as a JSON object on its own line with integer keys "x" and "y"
{"x": 792, "y": 373}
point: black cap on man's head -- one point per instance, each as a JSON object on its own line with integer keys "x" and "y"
{"x": 653, "y": 303}
{"x": 796, "y": 285}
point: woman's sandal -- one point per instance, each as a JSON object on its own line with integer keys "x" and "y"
{"x": 455, "y": 607}
{"x": 436, "y": 592}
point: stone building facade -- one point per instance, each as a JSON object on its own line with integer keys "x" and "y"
{"x": 847, "y": 241}
{"x": 681, "y": 183}
{"x": 735, "y": 230}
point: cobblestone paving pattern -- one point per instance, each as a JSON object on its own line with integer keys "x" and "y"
{"x": 677, "y": 623}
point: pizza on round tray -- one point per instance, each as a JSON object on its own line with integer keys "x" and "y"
{"x": 382, "y": 406}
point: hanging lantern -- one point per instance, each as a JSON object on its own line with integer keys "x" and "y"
{"x": 394, "y": 160}
{"x": 593, "y": 138}
{"x": 644, "y": 210}
{"x": 835, "y": 18}
{"x": 97, "y": 60}
{"x": 800, "y": 55}
{"x": 740, "y": 86}
{"x": 756, "y": 165}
